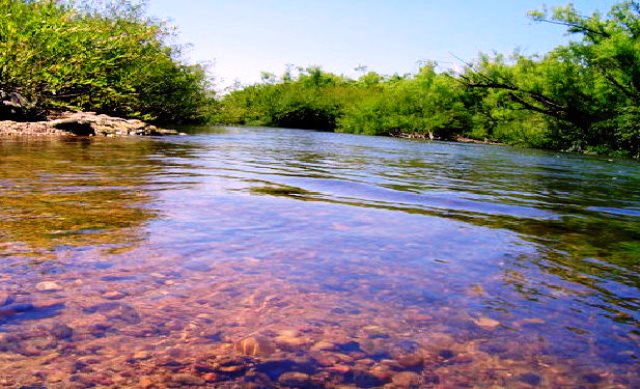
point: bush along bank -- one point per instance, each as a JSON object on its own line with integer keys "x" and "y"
{"x": 110, "y": 59}
{"x": 583, "y": 96}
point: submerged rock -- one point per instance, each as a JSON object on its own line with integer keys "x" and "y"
{"x": 142, "y": 355}
{"x": 290, "y": 340}
{"x": 530, "y": 378}
{"x": 210, "y": 377}
{"x": 113, "y": 295}
{"x": 230, "y": 366}
{"x": 5, "y": 298}
{"x": 9, "y": 343}
{"x": 48, "y": 286}
{"x": 256, "y": 346}
{"x": 411, "y": 361}
{"x": 61, "y": 331}
{"x": 115, "y": 311}
{"x": 274, "y": 368}
{"x": 323, "y": 346}
{"x": 407, "y": 379}
{"x": 146, "y": 382}
{"x": 486, "y": 323}
{"x": 295, "y": 380}
{"x": 187, "y": 380}
{"x": 381, "y": 372}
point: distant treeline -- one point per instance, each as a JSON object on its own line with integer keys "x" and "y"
{"x": 107, "y": 57}
{"x": 583, "y": 96}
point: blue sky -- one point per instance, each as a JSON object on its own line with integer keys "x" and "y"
{"x": 244, "y": 37}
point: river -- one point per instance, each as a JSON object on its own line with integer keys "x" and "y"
{"x": 269, "y": 257}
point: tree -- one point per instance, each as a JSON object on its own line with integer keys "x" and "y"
{"x": 62, "y": 55}
{"x": 588, "y": 90}
{"x": 611, "y": 47}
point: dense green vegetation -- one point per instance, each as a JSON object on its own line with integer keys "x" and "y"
{"x": 583, "y": 96}
{"x": 69, "y": 55}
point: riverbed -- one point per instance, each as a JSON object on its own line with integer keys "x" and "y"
{"x": 263, "y": 257}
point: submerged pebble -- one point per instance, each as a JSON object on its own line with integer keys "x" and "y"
{"x": 290, "y": 342}
{"x": 61, "y": 331}
{"x": 142, "y": 355}
{"x": 486, "y": 323}
{"x": 530, "y": 378}
{"x": 411, "y": 361}
{"x": 323, "y": 345}
{"x": 187, "y": 380}
{"x": 113, "y": 295}
{"x": 146, "y": 382}
{"x": 256, "y": 346}
{"x": 365, "y": 379}
{"x": 407, "y": 379}
{"x": 5, "y": 298}
{"x": 381, "y": 372}
{"x": 230, "y": 365}
{"x": 48, "y": 286}
{"x": 295, "y": 380}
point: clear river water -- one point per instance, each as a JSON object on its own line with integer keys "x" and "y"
{"x": 254, "y": 257}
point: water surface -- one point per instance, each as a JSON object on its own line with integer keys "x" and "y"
{"x": 263, "y": 257}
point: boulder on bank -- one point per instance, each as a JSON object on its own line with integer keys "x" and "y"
{"x": 82, "y": 124}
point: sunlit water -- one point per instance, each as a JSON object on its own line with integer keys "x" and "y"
{"x": 262, "y": 257}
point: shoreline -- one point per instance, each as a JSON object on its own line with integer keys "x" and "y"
{"x": 82, "y": 124}
{"x": 456, "y": 138}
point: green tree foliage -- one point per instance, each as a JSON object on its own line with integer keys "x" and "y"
{"x": 427, "y": 105}
{"x": 65, "y": 55}
{"x": 312, "y": 99}
{"x": 583, "y": 96}
{"x": 587, "y": 91}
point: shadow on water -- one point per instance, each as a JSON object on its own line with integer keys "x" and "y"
{"x": 78, "y": 192}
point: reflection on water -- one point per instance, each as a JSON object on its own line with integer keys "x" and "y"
{"x": 261, "y": 258}
{"x": 72, "y": 193}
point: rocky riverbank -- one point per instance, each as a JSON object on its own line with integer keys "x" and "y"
{"x": 431, "y": 136}
{"x": 82, "y": 124}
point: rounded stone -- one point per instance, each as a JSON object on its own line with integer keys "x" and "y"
{"x": 146, "y": 382}
{"x": 142, "y": 355}
{"x": 381, "y": 372}
{"x": 61, "y": 331}
{"x": 48, "y": 286}
{"x": 255, "y": 346}
{"x": 486, "y": 323}
{"x": 411, "y": 361}
{"x": 323, "y": 346}
{"x": 530, "y": 378}
{"x": 290, "y": 342}
{"x": 210, "y": 377}
{"x": 407, "y": 379}
{"x": 113, "y": 295}
{"x": 295, "y": 380}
